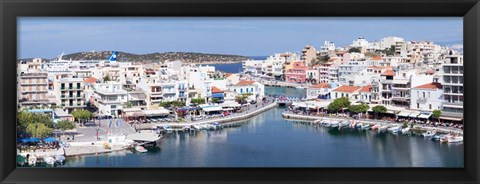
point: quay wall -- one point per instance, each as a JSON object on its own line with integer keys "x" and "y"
{"x": 373, "y": 122}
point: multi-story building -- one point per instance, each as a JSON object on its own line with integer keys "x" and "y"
{"x": 427, "y": 97}
{"x": 313, "y": 76}
{"x": 244, "y": 86}
{"x": 452, "y": 107}
{"x": 33, "y": 89}
{"x": 110, "y": 98}
{"x": 309, "y": 54}
{"x": 69, "y": 93}
{"x": 319, "y": 91}
{"x": 297, "y": 74}
{"x": 349, "y": 69}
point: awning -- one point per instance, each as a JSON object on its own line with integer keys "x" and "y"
{"x": 424, "y": 116}
{"x": 400, "y": 81}
{"x": 230, "y": 104}
{"x": 217, "y": 95}
{"x": 228, "y": 109}
{"x": 451, "y": 118}
{"x": 212, "y": 108}
{"x": 414, "y": 115}
{"x": 156, "y": 112}
{"x": 404, "y": 113}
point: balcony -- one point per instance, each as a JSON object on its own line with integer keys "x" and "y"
{"x": 457, "y": 104}
{"x": 422, "y": 100}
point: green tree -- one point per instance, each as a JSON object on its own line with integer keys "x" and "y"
{"x": 82, "y": 115}
{"x": 242, "y": 98}
{"x": 338, "y": 104}
{"x": 127, "y": 105}
{"x": 379, "y": 109}
{"x": 436, "y": 114}
{"x": 215, "y": 100}
{"x": 25, "y": 118}
{"x": 38, "y": 130}
{"x": 197, "y": 101}
{"x": 354, "y": 49}
{"x": 390, "y": 51}
{"x": 361, "y": 108}
{"x": 106, "y": 78}
{"x": 173, "y": 106}
{"x": 65, "y": 125}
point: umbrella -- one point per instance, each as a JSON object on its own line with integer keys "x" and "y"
{"x": 33, "y": 139}
{"x": 22, "y": 140}
{"x": 49, "y": 139}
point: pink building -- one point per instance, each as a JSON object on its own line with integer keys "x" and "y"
{"x": 297, "y": 74}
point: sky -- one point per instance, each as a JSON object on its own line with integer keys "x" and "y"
{"x": 48, "y": 37}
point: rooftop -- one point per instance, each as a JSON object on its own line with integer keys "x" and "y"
{"x": 321, "y": 85}
{"x": 388, "y": 73}
{"x": 348, "y": 89}
{"x": 245, "y": 83}
{"x": 433, "y": 85}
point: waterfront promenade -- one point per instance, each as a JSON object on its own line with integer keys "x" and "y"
{"x": 291, "y": 115}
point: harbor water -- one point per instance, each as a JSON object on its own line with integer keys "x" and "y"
{"x": 268, "y": 140}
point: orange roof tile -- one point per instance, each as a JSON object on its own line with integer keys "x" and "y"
{"x": 229, "y": 74}
{"x": 245, "y": 83}
{"x": 377, "y": 58}
{"x": 388, "y": 73}
{"x": 348, "y": 89}
{"x": 90, "y": 80}
{"x": 216, "y": 90}
{"x": 433, "y": 85}
{"x": 321, "y": 85}
{"x": 366, "y": 88}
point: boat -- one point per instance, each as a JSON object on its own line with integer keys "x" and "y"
{"x": 405, "y": 130}
{"x": 167, "y": 129}
{"x": 365, "y": 126}
{"x": 60, "y": 159}
{"x": 382, "y": 128}
{"x": 343, "y": 124}
{"x": 300, "y": 87}
{"x": 140, "y": 149}
{"x": 325, "y": 123}
{"x": 455, "y": 139}
{"x": 395, "y": 130}
{"x": 216, "y": 126}
{"x": 437, "y": 137}
{"x": 197, "y": 127}
{"x": 429, "y": 134}
{"x": 49, "y": 160}
{"x": 334, "y": 124}
{"x": 32, "y": 160}
{"x": 358, "y": 125}
{"x": 20, "y": 160}
{"x": 186, "y": 128}
{"x": 375, "y": 127}
{"x": 352, "y": 125}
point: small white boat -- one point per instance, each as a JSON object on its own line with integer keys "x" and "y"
{"x": 395, "y": 130}
{"x": 455, "y": 139}
{"x": 382, "y": 128}
{"x": 140, "y": 149}
{"x": 168, "y": 129}
{"x": 32, "y": 160}
{"x": 60, "y": 159}
{"x": 197, "y": 127}
{"x": 216, "y": 126}
{"x": 344, "y": 124}
{"x": 49, "y": 160}
{"x": 365, "y": 126}
{"x": 405, "y": 130}
{"x": 325, "y": 123}
{"x": 334, "y": 124}
{"x": 375, "y": 127}
{"x": 300, "y": 87}
{"x": 429, "y": 134}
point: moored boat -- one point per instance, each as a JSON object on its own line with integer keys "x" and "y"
{"x": 405, "y": 130}
{"x": 395, "y": 130}
{"x": 49, "y": 160}
{"x": 455, "y": 139}
{"x": 429, "y": 133}
{"x": 366, "y": 126}
{"x": 32, "y": 160}
{"x": 140, "y": 149}
{"x": 382, "y": 128}
{"x": 375, "y": 127}
{"x": 60, "y": 159}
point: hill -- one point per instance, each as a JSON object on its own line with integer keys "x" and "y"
{"x": 186, "y": 57}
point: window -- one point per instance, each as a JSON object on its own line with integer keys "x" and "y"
{"x": 428, "y": 94}
{"x": 251, "y": 90}
{"x": 423, "y": 94}
{"x": 418, "y": 106}
{"x": 430, "y": 106}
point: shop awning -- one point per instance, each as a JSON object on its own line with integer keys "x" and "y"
{"x": 414, "y": 114}
{"x": 404, "y": 113}
{"x": 228, "y": 109}
{"x": 217, "y": 95}
{"x": 157, "y": 112}
{"x": 230, "y": 104}
{"x": 424, "y": 116}
{"x": 451, "y": 118}
{"x": 210, "y": 108}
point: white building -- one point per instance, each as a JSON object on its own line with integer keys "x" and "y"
{"x": 109, "y": 98}
{"x": 318, "y": 91}
{"x": 257, "y": 89}
{"x": 427, "y": 97}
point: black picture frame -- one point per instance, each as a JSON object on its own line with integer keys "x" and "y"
{"x": 10, "y": 10}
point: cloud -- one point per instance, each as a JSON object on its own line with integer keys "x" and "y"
{"x": 457, "y": 46}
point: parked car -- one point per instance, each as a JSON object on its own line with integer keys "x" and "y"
{"x": 253, "y": 102}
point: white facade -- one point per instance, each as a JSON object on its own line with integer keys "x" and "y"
{"x": 427, "y": 97}
{"x": 109, "y": 98}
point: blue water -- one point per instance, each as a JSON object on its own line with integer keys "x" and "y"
{"x": 268, "y": 140}
{"x": 235, "y": 67}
